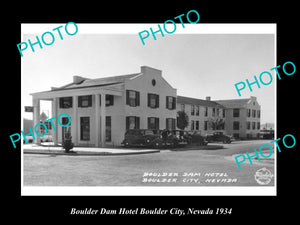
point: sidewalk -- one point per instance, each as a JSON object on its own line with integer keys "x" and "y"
{"x": 88, "y": 151}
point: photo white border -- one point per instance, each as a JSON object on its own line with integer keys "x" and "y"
{"x": 153, "y": 190}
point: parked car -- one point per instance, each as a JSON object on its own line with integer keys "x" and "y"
{"x": 219, "y": 136}
{"x": 195, "y": 137}
{"x": 140, "y": 137}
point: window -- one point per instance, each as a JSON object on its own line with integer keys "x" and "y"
{"x": 258, "y": 125}
{"x": 253, "y": 113}
{"x": 214, "y": 112}
{"x": 153, "y": 123}
{"x": 248, "y": 112}
{"x": 170, "y": 124}
{"x": 192, "y": 110}
{"x": 109, "y": 100}
{"x": 153, "y": 100}
{"x": 258, "y": 113}
{"x": 192, "y": 125}
{"x": 197, "y": 110}
{"x": 108, "y": 128}
{"x": 248, "y": 125}
{"x": 223, "y": 112}
{"x": 205, "y": 125}
{"x": 65, "y": 102}
{"x": 236, "y": 125}
{"x": 132, "y": 122}
{"x": 206, "y": 111}
{"x": 182, "y": 107}
{"x": 170, "y": 102}
{"x": 85, "y": 128}
{"x": 236, "y": 112}
{"x": 132, "y": 98}
{"x": 253, "y": 125}
{"x": 85, "y": 101}
{"x": 197, "y": 125}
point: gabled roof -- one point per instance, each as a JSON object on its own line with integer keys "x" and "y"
{"x": 234, "y": 103}
{"x": 196, "y": 101}
{"x": 98, "y": 82}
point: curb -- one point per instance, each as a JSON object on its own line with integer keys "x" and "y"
{"x": 81, "y": 153}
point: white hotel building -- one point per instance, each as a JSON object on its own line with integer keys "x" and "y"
{"x": 143, "y": 100}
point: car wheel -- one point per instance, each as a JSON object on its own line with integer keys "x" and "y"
{"x": 126, "y": 143}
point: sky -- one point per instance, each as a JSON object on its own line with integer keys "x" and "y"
{"x": 197, "y": 65}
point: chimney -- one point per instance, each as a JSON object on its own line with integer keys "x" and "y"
{"x": 207, "y": 98}
{"x": 78, "y": 79}
{"x": 150, "y": 70}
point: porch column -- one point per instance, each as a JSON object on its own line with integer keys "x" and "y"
{"x": 103, "y": 116}
{"x": 36, "y": 117}
{"x": 74, "y": 121}
{"x": 54, "y": 114}
{"x": 97, "y": 120}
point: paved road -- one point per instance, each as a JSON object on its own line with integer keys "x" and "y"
{"x": 168, "y": 168}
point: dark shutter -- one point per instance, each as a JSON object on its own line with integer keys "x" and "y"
{"x": 173, "y": 124}
{"x": 137, "y": 122}
{"x": 127, "y": 122}
{"x": 167, "y": 98}
{"x": 149, "y": 95}
{"x": 157, "y": 101}
{"x": 79, "y": 101}
{"x": 60, "y": 102}
{"x": 127, "y": 97}
{"x": 137, "y": 98}
{"x": 156, "y": 123}
{"x": 173, "y": 103}
{"x": 148, "y": 122}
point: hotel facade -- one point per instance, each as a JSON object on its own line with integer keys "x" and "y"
{"x": 101, "y": 110}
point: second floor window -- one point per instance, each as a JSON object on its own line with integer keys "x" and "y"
{"x": 65, "y": 102}
{"x": 170, "y": 102}
{"x": 132, "y": 98}
{"x": 192, "y": 110}
{"x": 236, "y": 112}
{"x": 85, "y": 101}
{"x": 153, "y": 100}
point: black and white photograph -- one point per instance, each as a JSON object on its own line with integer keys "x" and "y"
{"x": 152, "y": 112}
{"x": 112, "y": 112}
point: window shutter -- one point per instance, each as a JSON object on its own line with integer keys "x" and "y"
{"x": 137, "y": 98}
{"x": 173, "y": 124}
{"x": 137, "y": 122}
{"x": 149, "y": 99}
{"x": 60, "y": 102}
{"x": 174, "y": 103}
{"x": 99, "y": 100}
{"x": 167, "y": 98}
{"x": 157, "y": 123}
{"x": 148, "y": 122}
{"x": 127, "y": 97}
{"x": 157, "y": 101}
{"x": 127, "y": 122}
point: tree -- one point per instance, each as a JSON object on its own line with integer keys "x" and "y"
{"x": 217, "y": 123}
{"x": 182, "y": 120}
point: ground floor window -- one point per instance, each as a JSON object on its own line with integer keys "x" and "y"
{"x": 236, "y": 135}
{"x": 153, "y": 123}
{"x": 84, "y": 128}
{"x": 170, "y": 124}
{"x": 236, "y": 125}
{"x": 132, "y": 122}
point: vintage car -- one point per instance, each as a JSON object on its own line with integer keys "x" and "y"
{"x": 172, "y": 138}
{"x": 140, "y": 137}
{"x": 195, "y": 137}
{"x": 219, "y": 137}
